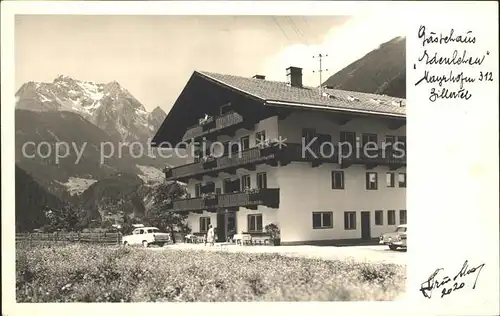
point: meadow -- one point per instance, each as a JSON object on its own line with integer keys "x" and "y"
{"x": 97, "y": 273}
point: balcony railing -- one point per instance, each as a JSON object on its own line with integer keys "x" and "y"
{"x": 295, "y": 152}
{"x": 285, "y": 154}
{"x": 255, "y": 197}
{"x": 230, "y": 119}
{"x": 249, "y": 156}
{"x": 188, "y": 204}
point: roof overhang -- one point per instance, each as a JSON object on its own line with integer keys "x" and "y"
{"x": 304, "y": 106}
{"x": 203, "y": 92}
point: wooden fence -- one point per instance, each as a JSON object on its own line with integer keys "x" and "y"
{"x": 64, "y": 238}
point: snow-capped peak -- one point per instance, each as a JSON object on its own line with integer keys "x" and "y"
{"x": 109, "y": 106}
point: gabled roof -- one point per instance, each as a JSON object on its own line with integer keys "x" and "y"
{"x": 281, "y": 93}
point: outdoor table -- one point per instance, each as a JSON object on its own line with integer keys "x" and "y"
{"x": 241, "y": 238}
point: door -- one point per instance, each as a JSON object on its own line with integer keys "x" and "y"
{"x": 347, "y": 138}
{"x": 236, "y": 187}
{"x": 230, "y": 224}
{"x": 365, "y": 225}
{"x": 221, "y": 227}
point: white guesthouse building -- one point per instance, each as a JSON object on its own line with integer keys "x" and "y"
{"x": 313, "y": 195}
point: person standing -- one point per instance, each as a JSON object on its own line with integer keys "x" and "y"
{"x": 211, "y": 235}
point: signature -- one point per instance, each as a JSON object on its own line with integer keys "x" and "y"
{"x": 447, "y": 284}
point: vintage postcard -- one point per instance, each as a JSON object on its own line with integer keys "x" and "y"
{"x": 227, "y": 152}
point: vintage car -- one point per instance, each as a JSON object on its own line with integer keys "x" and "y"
{"x": 398, "y": 242}
{"x": 395, "y": 239}
{"x": 146, "y": 236}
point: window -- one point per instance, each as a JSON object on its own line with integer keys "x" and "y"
{"x": 233, "y": 147}
{"x": 218, "y": 191}
{"x": 226, "y": 185}
{"x": 369, "y": 138}
{"x": 379, "y": 218}
{"x": 245, "y": 142}
{"x": 322, "y": 220}
{"x": 262, "y": 180}
{"x": 245, "y": 182}
{"x": 236, "y": 185}
{"x": 204, "y": 223}
{"x": 390, "y": 140}
{"x": 209, "y": 187}
{"x": 255, "y": 223}
{"x": 389, "y": 179}
{"x": 225, "y": 147}
{"x": 391, "y": 217}
{"x": 402, "y": 143}
{"x": 338, "y": 180}
{"x": 402, "y": 217}
{"x": 388, "y": 146}
{"x": 260, "y": 138}
{"x": 371, "y": 181}
{"x": 401, "y": 229}
{"x": 349, "y": 138}
{"x": 349, "y": 220}
{"x": 308, "y": 134}
{"x": 225, "y": 108}
{"x": 402, "y": 180}
{"x": 325, "y": 140}
{"x": 197, "y": 189}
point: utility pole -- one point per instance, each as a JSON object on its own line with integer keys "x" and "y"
{"x": 320, "y": 58}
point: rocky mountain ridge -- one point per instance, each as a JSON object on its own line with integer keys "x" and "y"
{"x": 109, "y": 106}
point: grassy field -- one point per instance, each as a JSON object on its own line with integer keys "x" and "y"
{"x": 86, "y": 273}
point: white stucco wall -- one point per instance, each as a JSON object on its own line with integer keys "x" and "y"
{"x": 269, "y": 215}
{"x": 193, "y": 220}
{"x": 304, "y": 190}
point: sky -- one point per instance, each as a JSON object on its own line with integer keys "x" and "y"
{"x": 154, "y": 56}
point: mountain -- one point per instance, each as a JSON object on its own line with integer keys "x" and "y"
{"x": 31, "y": 200}
{"x": 381, "y": 71}
{"x": 90, "y": 154}
{"x": 109, "y": 106}
{"x": 156, "y": 118}
{"x": 112, "y": 197}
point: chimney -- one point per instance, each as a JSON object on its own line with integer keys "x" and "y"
{"x": 261, "y": 77}
{"x": 294, "y": 75}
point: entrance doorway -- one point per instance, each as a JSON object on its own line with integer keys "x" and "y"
{"x": 226, "y": 225}
{"x": 365, "y": 226}
{"x": 221, "y": 224}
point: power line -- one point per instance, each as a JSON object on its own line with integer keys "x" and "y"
{"x": 282, "y": 31}
{"x": 297, "y": 30}
{"x": 320, "y": 70}
{"x": 307, "y": 24}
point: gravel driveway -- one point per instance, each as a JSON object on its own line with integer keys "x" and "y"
{"x": 375, "y": 254}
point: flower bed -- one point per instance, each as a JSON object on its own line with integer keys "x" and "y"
{"x": 80, "y": 273}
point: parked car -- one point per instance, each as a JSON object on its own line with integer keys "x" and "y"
{"x": 395, "y": 239}
{"x": 146, "y": 236}
{"x": 398, "y": 242}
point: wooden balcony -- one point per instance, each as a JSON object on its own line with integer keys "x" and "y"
{"x": 369, "y": 158}
{"x": 188, "y": 204}
{"x": 268, "y": 197}
{"x": 247, "y": 158}
{"x": 274, "y": 155}
{"x": 373, "y": 158}
{"x": 251, "y": 199}
{"x": 227, "y": 122}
